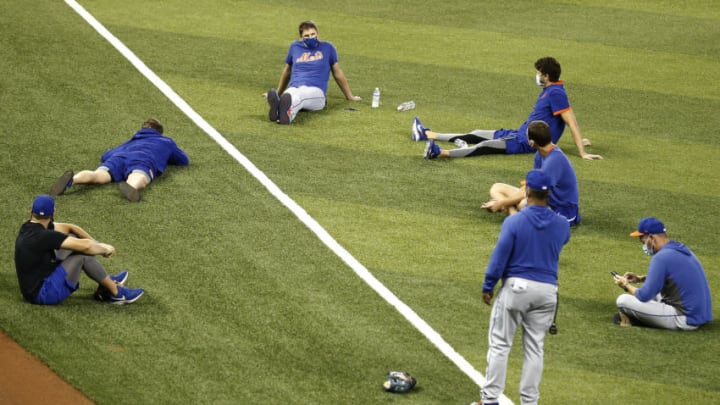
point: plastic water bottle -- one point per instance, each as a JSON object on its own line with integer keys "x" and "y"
{"x": 408, "y": 105}
{"x": 376, "y": 98}
{"x": 460, "y": 143}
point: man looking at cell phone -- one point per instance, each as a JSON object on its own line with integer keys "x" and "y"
{"x": 675, "y": 293}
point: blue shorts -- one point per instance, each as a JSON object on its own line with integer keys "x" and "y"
{"x": 572, "y": 214}
{"x": 121, "y": 167}
{"x": 55, "y": 288}
{"x": 514, "y": 141}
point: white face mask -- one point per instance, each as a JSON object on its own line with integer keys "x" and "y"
{"x": 537, "y": 80}
{"x": 647, "y": 249}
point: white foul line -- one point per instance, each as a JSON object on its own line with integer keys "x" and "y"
{"x": 296, "y": 209}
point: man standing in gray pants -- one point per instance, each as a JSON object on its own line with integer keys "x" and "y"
{"x": 525, "y": 258}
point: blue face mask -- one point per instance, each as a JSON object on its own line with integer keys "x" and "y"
{"x": 311, "y": 43}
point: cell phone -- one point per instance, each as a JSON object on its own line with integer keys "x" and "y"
{"x": 614, "y": 274}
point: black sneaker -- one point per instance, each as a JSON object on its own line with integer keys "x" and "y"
{"x": 63, "y": 183}
{"x": 273, "y": 102}
{"x": 285, "y": 109}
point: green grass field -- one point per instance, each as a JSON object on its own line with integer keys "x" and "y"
{"x": 244, "y": 304}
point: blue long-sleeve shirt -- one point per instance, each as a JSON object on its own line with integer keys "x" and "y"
{"x": 565, "y": 194}
{"x": 676, "y": 273}
{"x": 151, "y": 148}
{"x": 528, "y": 247}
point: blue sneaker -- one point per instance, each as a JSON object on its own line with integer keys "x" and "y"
{"x": 431, "y": 150}
{"x": 273, "y": 102}
{"x": 126, "y": 295}
{"x": 418, "y": 131}
{"x": 120, "y": 278}
{"x": 62, "y": 184}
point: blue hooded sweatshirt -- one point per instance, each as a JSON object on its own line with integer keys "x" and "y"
{"x": 528, "y": 247}
{"x": 676, "y": 273}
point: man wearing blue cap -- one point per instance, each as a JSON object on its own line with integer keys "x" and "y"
{"x": 44, "y": 277}
{"x": 526, "y": 259}
{"x": 565, "y": 195}
{"x": 133, "y": 164}
{"x": 675, "y": 293}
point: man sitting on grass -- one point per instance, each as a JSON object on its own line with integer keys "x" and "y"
{"x": 551, "y": 106}
{"x": 47, "y": 280}
{"x": 675, "y": 293}
{"x": 565, "y": 195}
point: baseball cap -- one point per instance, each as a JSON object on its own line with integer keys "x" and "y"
{"x": 43, "y": 205}
{"x": 537, "y": 180}
{"x": 649, "y": 225}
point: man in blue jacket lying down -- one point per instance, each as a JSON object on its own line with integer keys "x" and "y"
{"x": 133, "y": 165}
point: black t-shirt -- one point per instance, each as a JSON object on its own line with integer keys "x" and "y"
{"x": 35, "y": 256}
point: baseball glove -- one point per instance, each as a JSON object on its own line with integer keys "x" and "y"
{"x": 399, "y": 382}
{"x": 101, "y": 294}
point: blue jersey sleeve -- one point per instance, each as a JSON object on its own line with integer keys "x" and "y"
{"x": 654, "y": 281}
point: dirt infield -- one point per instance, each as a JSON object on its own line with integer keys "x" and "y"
{"x": 25, "y": 380}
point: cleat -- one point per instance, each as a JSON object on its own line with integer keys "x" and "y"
{"x": 120, "y": 278}
{"x": 418, "y": 131}
{"x": 62, "y": 184}
{"x": 274, "y": 102}
{"x": 126, "y": 295}
{"x": 130, "y": 192}
{"x": 285, "y": 109}
{"x": 431, "y": 150}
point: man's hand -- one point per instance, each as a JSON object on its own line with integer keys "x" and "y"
{"x": 109, "y": 249}
{"x": 590, "y": 156}
{"x": 355, "y": 98}
{"x": 493, "y": 206}
{"x": 487, "y": 297}
{"x": 621, "y": 281}
{"x": 631, "y": 277}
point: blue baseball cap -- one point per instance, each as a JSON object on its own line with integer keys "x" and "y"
{"x": 649, "y": 225}
{"x": 537, "y": 180}
{"x": 43, "y": 205}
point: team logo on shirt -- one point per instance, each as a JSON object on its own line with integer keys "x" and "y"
{"x": 308, "y": 57}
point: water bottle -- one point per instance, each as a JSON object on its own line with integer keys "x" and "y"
{"x": 460, "y": 143}
{"x": 376, "y": 98}
{"x": 408, "y": 105}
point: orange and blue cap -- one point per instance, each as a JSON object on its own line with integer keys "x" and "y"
{"x": 649, "y": 225}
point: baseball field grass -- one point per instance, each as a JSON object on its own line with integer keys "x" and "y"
{"x": 245, "y": 304}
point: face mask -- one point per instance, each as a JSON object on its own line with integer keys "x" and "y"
{"x": 537, "y": 80}
{"x": 311, "y": 42}
{"x": 647, "y": 249}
